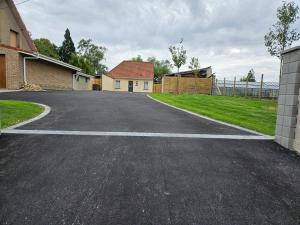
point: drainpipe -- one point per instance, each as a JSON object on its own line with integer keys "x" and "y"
{"x": 73, "y": 81}
{"x": 24, "y": 67}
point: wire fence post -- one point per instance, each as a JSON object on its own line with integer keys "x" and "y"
{"x": 246, "y": 90}
{"x": 261, "y": 85}
{"x": 224, "y": 87}
{"x": 234, "y": 82}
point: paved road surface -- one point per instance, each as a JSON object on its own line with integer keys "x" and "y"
{"x": 56, "y": 179}
{"x": 105, "y": 111}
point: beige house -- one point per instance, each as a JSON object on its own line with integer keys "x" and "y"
{"x": 21, "y": 64}
{"x": 129, "y": 76}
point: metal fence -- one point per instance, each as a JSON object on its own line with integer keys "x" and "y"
{"x": 252, "y": 89}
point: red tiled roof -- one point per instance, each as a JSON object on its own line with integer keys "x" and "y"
{"x": 132, "y": 70}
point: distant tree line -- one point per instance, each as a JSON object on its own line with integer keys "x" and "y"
{"x": 163, "y": 67}
{"x": 250, "y": 77}
{"x": 88, "y": 56}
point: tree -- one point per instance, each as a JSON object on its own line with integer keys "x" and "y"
{"x": 82, "y": 63}
{"x": 67, "y": 48}
{"x": 45, "y": 47}
{"x": 94, "y": 54}
{"x": 138, "y": 58}
{"x": 194, "y": 66}
{"x": 281, "y": 35}
{"x": 178, "y": 55}
{"x": 161, "y": 68}
{"x": 250, "y": 76}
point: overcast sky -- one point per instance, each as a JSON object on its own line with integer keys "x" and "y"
{"x": 227, "y": 35}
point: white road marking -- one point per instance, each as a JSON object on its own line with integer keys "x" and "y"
{"x": 47, "y": 110}
{"x": 210, "y": 119}
{"x": 137, "y": 134}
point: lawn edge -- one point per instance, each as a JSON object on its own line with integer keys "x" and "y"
{"x": 47, "y": 110}
{"x": 213, "y": 120}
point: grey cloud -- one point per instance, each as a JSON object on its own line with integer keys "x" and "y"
{"x": 212, "y": 29}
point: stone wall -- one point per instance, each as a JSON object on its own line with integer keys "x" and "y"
{"x": 7, "y": 23}
{"x": 14, "y": 78}
{"x": 296, "y": 144}
{"x": 49, "y": 75}
{"x": 288, "y": 102}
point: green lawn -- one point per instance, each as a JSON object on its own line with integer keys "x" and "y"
{"x": 254, "y": 114}
{"x": 12, "y": 112}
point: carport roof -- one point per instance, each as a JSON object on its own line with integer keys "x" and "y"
{"x": 51, "y": 60}
{"x": 132, "y": 70}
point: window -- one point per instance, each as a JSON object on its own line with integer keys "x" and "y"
{"x": 117, "y": 85}
{"x": 14, "y": 39}
{"x": 146, "y": 85}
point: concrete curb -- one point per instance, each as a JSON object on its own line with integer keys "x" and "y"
{"x": 214, "y": 120}
{"x": 136, "y": 134}
{"x": 47, "y": 110}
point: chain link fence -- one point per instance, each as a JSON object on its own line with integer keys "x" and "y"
{"x": 241, "y": 88}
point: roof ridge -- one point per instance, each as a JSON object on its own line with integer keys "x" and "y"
{"x": 135, "y": 61}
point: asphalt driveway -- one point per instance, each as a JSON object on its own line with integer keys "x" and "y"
{"x": 62, "y": 179}
{"x": 115, "y": 112}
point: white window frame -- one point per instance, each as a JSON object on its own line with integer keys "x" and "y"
{"x": 117, "y": 84}
{"x": 146, "y": 85}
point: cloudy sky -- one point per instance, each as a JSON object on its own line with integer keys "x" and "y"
{"x": 227, "y": 35}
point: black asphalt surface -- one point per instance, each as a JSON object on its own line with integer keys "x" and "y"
{"x": 56, "y": 179}
{"x": 116, "y": 112}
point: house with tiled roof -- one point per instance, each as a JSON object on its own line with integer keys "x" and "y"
{"x": 129, "y": 76}
{"x": 21, "y": 64}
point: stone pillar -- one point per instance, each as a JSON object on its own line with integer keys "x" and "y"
{"x": 296, "y": 145}
{"x": 288, "y": 100}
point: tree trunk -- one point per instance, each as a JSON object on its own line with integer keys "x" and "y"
{"x": 280, "y": 69}
{"x": 177, "y": 80}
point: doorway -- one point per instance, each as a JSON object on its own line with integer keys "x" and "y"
{"x": 130, "y": 86}
{"x": 2, "y": 72}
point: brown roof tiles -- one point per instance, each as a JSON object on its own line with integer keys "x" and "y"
{"x": 132, "y": 70}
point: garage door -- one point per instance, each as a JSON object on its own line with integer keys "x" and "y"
{"x": 2, "y": 72}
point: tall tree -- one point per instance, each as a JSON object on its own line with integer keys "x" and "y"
{"x": 161, "y": 68}
{"x": 138, "y": 58}
{"x": 195, "y": 66}
{"x": 250, "y": 76}
{"x": 67, "y": 48}
{"x": 178, "y": 55}
{"x": 45, "y": 47}
{"x": 94, "y": 54}
{"x": 281, "y": 35}
{"x": 82, "y": 63}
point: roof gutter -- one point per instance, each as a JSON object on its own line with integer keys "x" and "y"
{"x": 35, "y": 56}
{"x": 49, "y": 59}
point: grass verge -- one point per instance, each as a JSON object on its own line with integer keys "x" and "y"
{"x": 13, "y": 112}
{"x": 254, "y": 114}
